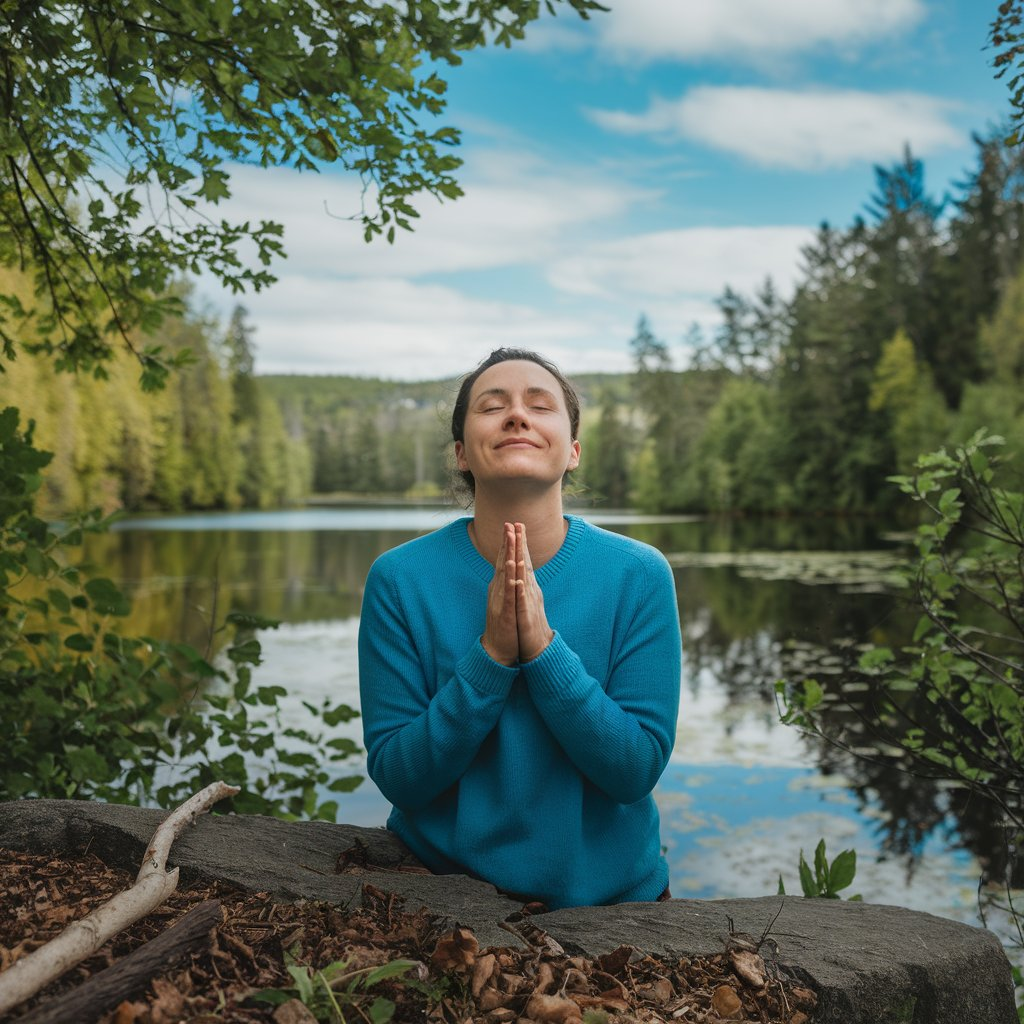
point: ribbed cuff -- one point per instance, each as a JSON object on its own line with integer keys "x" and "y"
{"x": 485, "y": 674}
{"x": 552, "y": 669}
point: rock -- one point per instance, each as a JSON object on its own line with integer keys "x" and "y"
{"x": 869, "y": 964}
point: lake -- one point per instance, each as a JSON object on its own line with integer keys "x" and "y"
{"x": 743, "y": 794}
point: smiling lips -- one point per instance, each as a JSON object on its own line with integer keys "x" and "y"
{"x": 517, "y": 442}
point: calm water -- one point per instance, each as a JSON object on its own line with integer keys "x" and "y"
{"x": 743, "y": 794}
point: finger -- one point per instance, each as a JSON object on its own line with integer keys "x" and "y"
{"x": 521, "y": 552}
{"x": 503, "y": 555}
{"x": 525, "y": 556}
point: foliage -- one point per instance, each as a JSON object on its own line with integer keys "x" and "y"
{"x": 950, "y": 704}
{"x": 121, "y": 120}
{"x": 329, "y": 991}
{"x": 828, "y": 879}
{"x": 903, "y": 333}
{"x": 211, "y": 438}
{"x": 91, "y": 712}
{"x": 1007, "y": 37}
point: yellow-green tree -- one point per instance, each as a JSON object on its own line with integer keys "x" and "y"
{"x": 904, "y": 391}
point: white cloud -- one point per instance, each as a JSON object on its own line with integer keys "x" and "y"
{"x": 394, "y": 328}
{"x": 653, "y": 29}
{"x": 690, "y": 262}
{"x": 514, "y": 211}
{"x": 805, "y": 130}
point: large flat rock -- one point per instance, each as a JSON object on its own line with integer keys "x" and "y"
{"x": 870, "y": 964}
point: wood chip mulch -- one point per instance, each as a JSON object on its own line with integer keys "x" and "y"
{"x": 450, "y": 981}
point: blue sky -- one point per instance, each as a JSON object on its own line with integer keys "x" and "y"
{"x": 636, "y": 163}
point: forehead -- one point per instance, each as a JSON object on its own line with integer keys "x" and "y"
{"x": 516, "y": 376}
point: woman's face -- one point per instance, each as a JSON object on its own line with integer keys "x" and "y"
{"x": 517, "y": 427}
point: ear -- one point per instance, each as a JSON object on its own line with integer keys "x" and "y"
{"x": 574, "y": 456}
{"x": 460, "y": 456}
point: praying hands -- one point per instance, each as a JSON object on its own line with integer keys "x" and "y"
{"x": 517, "y": 627}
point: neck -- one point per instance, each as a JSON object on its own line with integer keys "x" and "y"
{"x": 541, "y": 515}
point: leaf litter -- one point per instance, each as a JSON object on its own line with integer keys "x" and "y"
{"x": 261, "y": 945}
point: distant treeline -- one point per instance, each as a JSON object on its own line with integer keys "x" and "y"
{"x": 212, "y": 438}
{"x": 906, "y": 330}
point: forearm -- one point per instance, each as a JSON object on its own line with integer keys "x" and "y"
{"x": 620, "y": 742}
{"x": 417, "y": 747}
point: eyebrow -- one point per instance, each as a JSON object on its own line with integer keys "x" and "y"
{"x": 503, "y": 393}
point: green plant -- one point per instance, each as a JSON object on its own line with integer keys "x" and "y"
{"x": 951, "y": 702}
{"x": 828, "y": 879}
{"x": 949, "y": 705}
{"x": 90, "y": 712}
{"x": 110, "y": 169}
{"x": 327, "y": 992}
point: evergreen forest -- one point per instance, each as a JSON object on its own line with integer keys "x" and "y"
{"x": 905, "y": 332}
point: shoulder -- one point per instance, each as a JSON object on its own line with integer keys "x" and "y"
{"x": 421, "y": 554}
{"x": 630, "y": 552}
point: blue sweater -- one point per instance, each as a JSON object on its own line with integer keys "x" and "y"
{"x": 537, "y": 777}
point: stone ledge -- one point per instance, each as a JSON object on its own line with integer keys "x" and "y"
{"x": 870, "y": 964}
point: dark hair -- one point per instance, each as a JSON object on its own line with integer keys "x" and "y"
{"x": 504, "y": 355}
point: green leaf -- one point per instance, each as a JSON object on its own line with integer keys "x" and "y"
{"x": 874, "y": 658}
{"x": 812, "y": 695}
{"x": 246, "y": 653}
{"x": 392, "y": 969}
{"x": 106, "y": 598}
{"x": 346, "y": 784}
{"x": 806, "y": 878}
{"x": 78, "y": 642}
{"x": 843, "y": 870}
{"x": 821, "y": 866}
{"x": 250, "y": 620}
{"x": 381, "y": 1010}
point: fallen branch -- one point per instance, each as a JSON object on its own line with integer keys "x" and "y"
{"x": 80, "y": 939}
{"x": 131, "y": 974}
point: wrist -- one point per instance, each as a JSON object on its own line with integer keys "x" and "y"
{"x": 533, "y": 655}
{"x": 494, "y": 655}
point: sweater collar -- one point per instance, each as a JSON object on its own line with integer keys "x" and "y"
{"x": 485, "y": 569}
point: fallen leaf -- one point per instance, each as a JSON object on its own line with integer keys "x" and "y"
{"x": 128, "y": 1012}
{"x": 293, "y": 1012}
{"x": 545, "y": 978}
{"x": 169, "y": 1003}
{"x": 749, "y": 967}
{"x": 553, "y": 1009}
{"x": 614, "y": 962}
{"x": 726, "y": 1003}
{"x": 803, "y": 996}
{"x": 483, "y": 969}
{"x": 456, "y": 952}
{"x": 659, "y": 991}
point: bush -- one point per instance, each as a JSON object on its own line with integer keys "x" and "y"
{"x": 92, "y": 713}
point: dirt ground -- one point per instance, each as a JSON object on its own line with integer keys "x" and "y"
{"x": 371, "y": 964}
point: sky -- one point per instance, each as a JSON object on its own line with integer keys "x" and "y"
{"x": 633, "y": 164}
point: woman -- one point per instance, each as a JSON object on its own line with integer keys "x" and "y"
{"x": 519, "y": 670}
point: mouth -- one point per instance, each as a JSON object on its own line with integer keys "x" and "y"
{"x": 517, "y": 442}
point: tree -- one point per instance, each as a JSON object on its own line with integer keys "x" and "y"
{"x": 608, "y": 447}
{"x": 903, "y": 390}
{"x": 950, "y": 704}
{"x": 121, "y": 118}
{"x": 1007, "y": 37}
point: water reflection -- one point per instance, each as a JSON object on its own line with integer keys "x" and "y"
{"x": 743, "y": 794}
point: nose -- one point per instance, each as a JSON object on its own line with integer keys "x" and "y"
{"x": 517, "y": 416}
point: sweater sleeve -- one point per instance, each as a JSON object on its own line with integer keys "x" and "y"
{"x": 418, "y": 745}
{"x": 620, "y": 734}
